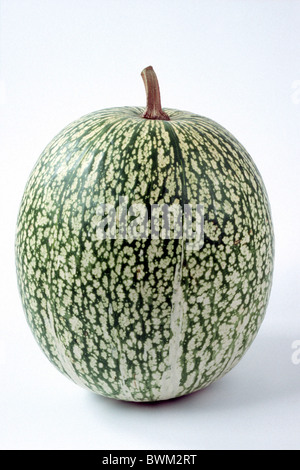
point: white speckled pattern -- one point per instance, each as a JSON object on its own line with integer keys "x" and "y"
{"x": 144, "y": 319}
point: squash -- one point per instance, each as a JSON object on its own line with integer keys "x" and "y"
{"x": 129, "y": 313}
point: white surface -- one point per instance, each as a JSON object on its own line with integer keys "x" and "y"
{"x": 236, "y": 62}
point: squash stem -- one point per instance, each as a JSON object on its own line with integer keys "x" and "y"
{"x": 153, "y": 109}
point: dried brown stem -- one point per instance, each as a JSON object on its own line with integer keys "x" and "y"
{"x": 153, "y": 110}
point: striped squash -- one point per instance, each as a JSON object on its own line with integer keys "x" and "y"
{"x": 144, "y": 319}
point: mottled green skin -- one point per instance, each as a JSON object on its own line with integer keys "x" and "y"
{"x": 144, "y": 320}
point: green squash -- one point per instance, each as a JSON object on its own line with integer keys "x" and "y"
{"x": 133, "y": 317}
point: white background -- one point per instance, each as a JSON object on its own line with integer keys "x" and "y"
{"x": 237, "y": 62}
